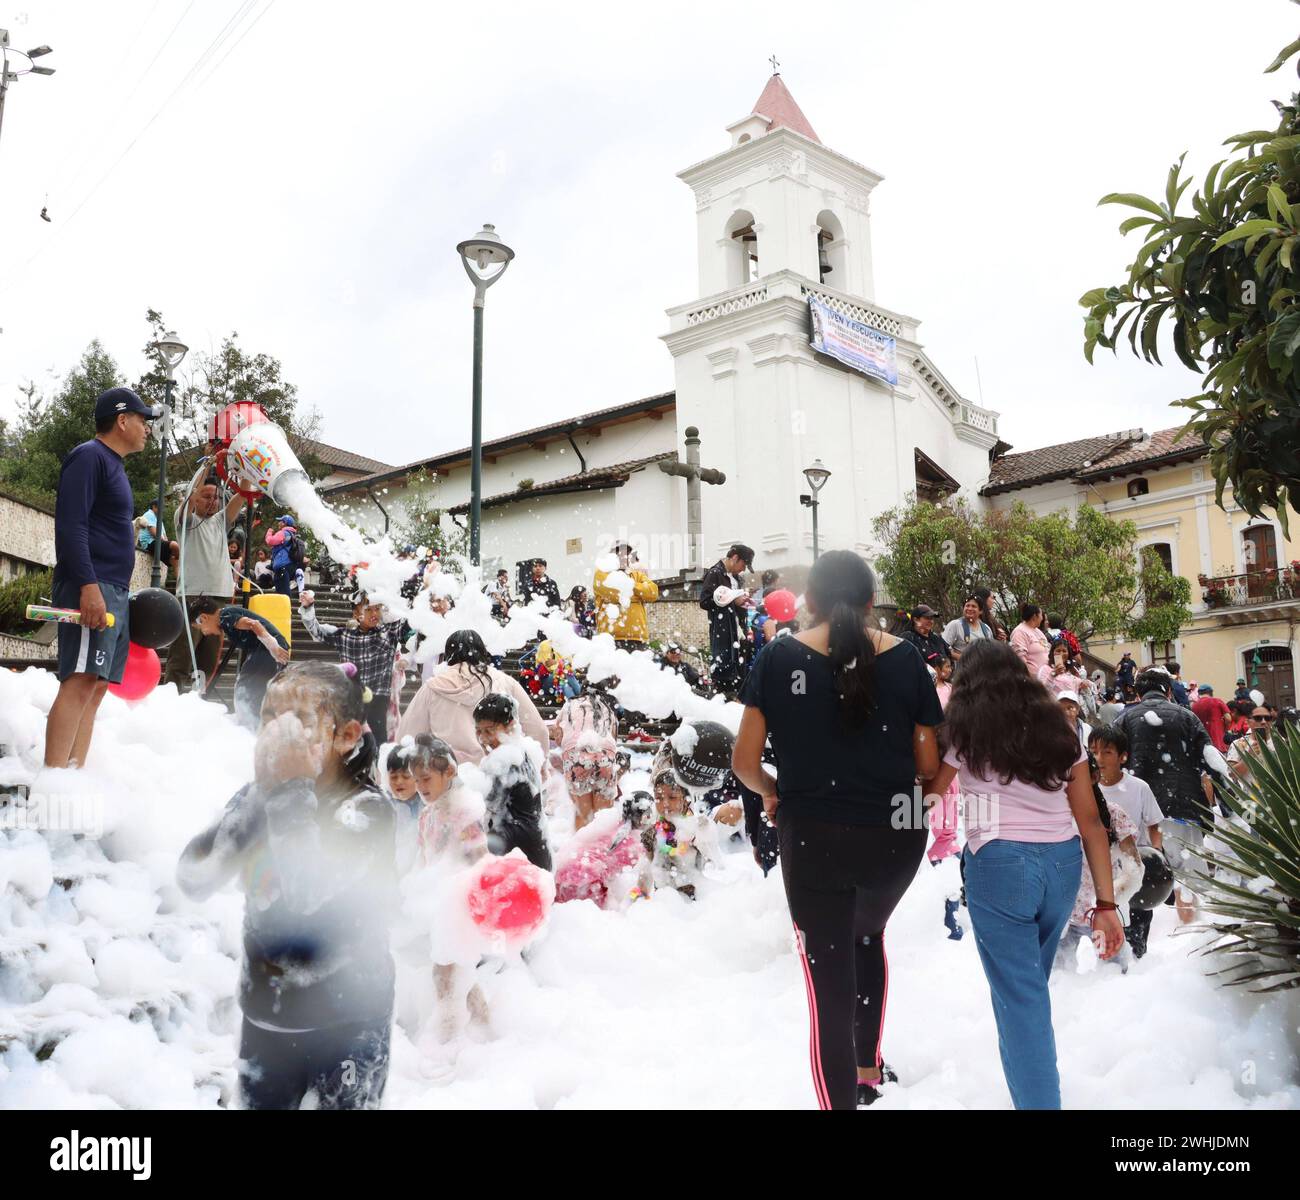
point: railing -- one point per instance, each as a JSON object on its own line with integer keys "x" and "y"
{"x": 1252, "y": 587}
{"x": 731, "y": 303}
{"x": 980, "y": 418}
{"x": 857, "y": 312}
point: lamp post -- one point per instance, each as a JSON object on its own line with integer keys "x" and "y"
{"x": 7, "y": 76}
{"x": 816, "y": 475}
{"x": 171, "y": 350}
{"x": 480, "y": 254}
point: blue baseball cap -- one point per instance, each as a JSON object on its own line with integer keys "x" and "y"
{"x": 286, "y": 519}
{"x": 124, "y": 400}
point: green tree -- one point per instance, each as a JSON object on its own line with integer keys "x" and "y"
{"x": 1083, "y": 568}
{"x": 1227, "y": 275}
{"x": 208, "y": 381}
{"x": 49, "y": 428}
{"x": 934, "y": 553}
{"x": 417, "y": 519}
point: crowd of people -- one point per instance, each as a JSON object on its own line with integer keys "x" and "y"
{"x": 1066, "y": 803}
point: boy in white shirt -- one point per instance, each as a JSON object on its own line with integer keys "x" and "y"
{"x": 1109, "y": 746}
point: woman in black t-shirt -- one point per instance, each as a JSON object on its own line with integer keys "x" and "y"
{"x": 851, "y": 713}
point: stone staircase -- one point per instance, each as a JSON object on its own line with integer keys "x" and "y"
{"x": 334, "y": 607}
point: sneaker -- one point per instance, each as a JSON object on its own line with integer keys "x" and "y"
{"x": 869, "y": 1093}
{"x": 955, "y": 930}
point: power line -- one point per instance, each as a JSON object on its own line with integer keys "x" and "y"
{"x": 234, "y": 46}
{"x": 223, "y": 34}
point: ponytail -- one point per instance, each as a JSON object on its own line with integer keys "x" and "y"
{"x": 843, "y": 587}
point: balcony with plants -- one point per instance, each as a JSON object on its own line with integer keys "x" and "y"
{"x": 1267, "y": 586}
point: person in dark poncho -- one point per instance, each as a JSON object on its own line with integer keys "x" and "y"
{"x": 263, "y": 651}
{"x": 514, "y": 804}
{"x": 312, "y": 842}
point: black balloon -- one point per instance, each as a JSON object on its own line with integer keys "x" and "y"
{"x": 709, "y": 760}
{"x": 1157, "y": 881}
{"x": 156, "y": 618}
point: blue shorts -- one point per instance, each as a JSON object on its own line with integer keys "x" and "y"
{"x": 85, "y": 651}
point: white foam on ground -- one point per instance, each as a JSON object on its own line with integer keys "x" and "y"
{"x": 117, "y": 991}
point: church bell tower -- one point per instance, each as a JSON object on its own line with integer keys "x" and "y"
{"x": 782, "y": 219}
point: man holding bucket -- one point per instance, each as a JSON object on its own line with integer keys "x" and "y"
{"x": 205, "y": 521}
{"x": 94, "y": 552}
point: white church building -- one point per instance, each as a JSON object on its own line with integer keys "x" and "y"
{"x": 786, "y": 357}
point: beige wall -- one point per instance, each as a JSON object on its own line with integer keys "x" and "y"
{"x": 1180, "y": 509}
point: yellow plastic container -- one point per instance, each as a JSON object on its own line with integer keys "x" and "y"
{"x": 276, "y": 609}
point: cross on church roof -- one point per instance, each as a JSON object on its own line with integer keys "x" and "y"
{"x": 776, "y": 66}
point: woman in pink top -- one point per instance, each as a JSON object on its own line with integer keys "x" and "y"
{"x": 1058, "y": 675}
{"x": 943, "y": 815}
{"x": 1025, "y": 788}
{"x": 1028, "y": 639}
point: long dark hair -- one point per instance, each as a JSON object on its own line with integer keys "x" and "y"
{"x": 466, "y": 646}
{"x": 842, "y": 587}
{"x": 1002, "y": 723}
{"x": 340, "y": 691}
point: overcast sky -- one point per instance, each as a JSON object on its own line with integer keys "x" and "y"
{"x": 305, "y": 181}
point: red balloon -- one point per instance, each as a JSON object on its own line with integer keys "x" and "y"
{"x": 511, "y": 897}
{"x": 780, "y": 604}
{"x": 143, "y": 669}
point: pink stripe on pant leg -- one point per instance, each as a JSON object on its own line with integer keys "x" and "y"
{"x": 884, "y": 999}
{"x": 814, "y": 1040}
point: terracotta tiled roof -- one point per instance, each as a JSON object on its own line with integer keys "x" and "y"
{"x": 1161, "y": 445}
{"x": 1092, "y": 458}
{"x": 1060, "y": 461}
{"x": 344, "y": 460}
{"x": 780, "y": 109}
{"x": 556, "y": 429}
{"x": 593, "y": 480}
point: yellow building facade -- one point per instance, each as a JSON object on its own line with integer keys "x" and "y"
{"x": 1243, "y": 571}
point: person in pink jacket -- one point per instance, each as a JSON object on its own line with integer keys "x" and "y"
{"x": 444, "y": 705}
{"x": 1060, "y": 674}
{"x": 1028, "y": 639}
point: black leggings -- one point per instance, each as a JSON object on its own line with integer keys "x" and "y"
{"x": 377, "y": 717}
{"x": 842, "y": 883}
{"x": 343, "y": 1066}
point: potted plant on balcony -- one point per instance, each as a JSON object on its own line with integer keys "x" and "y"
{"x": 1215, "y": 596}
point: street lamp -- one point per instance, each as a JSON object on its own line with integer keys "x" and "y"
{"x": 816, "y": 475}
{"x": 7, "y": 76}
{"x": 480, "y": 254}
{"x": 171, "y": 350}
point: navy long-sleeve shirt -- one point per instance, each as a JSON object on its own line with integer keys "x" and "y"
{"x": 94, "y": 539}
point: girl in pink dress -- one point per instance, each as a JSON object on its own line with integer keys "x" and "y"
{"x": 943, "y": 814}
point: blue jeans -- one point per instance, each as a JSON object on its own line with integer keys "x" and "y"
{"x": 1020, "y": 895}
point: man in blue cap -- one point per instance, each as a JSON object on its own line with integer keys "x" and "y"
{"x": 286, "y": 553}
{"x": 94, "y": 553}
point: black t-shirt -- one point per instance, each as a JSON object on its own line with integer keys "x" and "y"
{"x": 828, "y": 769}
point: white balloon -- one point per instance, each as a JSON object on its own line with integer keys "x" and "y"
{"x": 1257, "y": 696}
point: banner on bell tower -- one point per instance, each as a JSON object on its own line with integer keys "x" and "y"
{"x": 851, "y": 342}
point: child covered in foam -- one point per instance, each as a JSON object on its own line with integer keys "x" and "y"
{"x": 451, "y": 840}
{"x": 606, "y": 860}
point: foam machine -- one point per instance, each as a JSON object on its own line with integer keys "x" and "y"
{"x": 250, "y": 448}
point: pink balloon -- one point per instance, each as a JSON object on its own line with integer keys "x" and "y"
{"x": 780, "y": 604}
{"x": 143, "y": 669}
{"x": 510, "y": 897}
